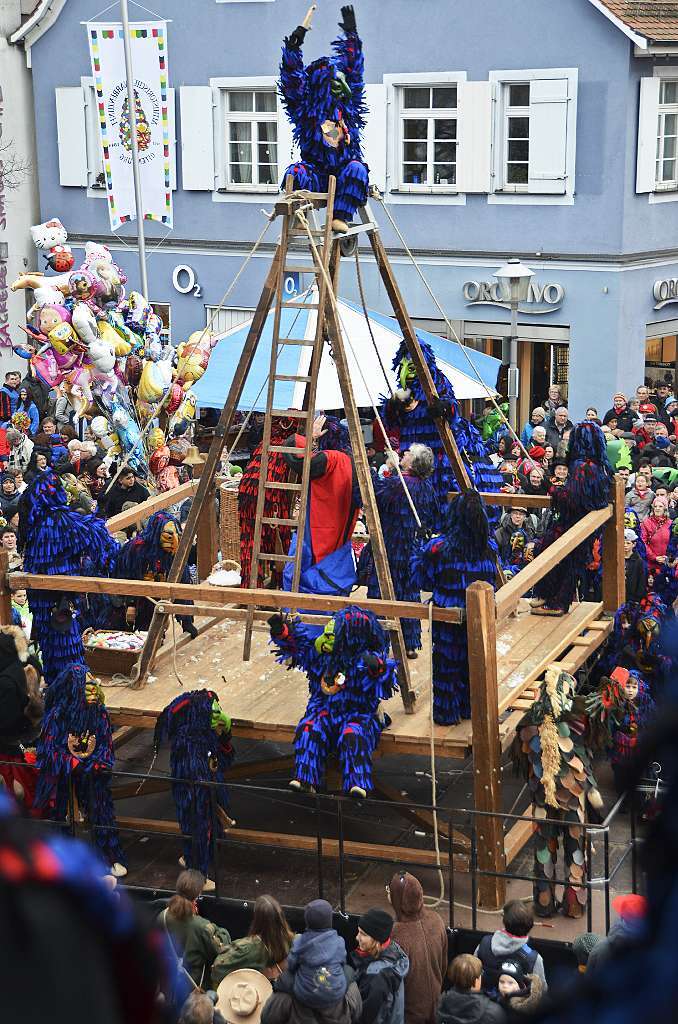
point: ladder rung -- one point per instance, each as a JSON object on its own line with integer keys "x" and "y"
{"x": 282, "y": 450}
{"x": 296, "y": 341}
{"x": 266, "y": 556}
{"x": 297, "y": 268}
{"x": 274, "y": 521}
{"x": 273, "y": 486}
{"x": 299, "y": 305}
{"x": 291, "y": 376}
{"x": 296, "y": 414}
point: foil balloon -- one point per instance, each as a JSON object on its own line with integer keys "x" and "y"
{"x": 193, "y": 357}
{"x": 129, "y": 439}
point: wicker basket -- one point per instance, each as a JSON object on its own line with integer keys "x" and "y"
{"x": 106, "y": 661}
{"x": 229, "y": 524}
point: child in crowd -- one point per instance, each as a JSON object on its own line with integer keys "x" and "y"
{"x": 317, "y": 959}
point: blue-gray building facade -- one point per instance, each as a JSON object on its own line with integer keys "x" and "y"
{"x": 538, "y": 129}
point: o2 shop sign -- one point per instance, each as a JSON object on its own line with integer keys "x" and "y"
{"x": 185, "y": 282}
{"x": 541, "y": 298}
{"x": 665, "y": 292}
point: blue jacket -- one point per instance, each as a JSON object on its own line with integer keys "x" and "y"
{"x": 317, "y": 960}
{"x": 381, "y": 986}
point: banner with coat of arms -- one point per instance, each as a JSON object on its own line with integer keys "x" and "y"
{"x": 148, "y": 42}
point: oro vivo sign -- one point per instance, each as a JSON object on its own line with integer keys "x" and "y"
{"x": 665, "y": 292}
{"x": 541, "y": 298}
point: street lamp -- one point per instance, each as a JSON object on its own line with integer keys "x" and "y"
{"x": 515, "y": 279}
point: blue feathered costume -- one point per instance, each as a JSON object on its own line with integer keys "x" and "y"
{"x": 349, "y": 672}
{"x": 56, "y": 540}
{"x": 199, "y": 735}
{"x": 408, "y": 419}
{"x": 586, "y": 489}
{"x": 76, "y": 745}
{"x": 464, "y": 554}
{"x": 149, "y": 556}
{"x": 325, "y": 102}
{"x": 400, "y": 531}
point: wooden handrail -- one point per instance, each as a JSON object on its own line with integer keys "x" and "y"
{"x": 510, "y": 500}
{"x": 226, "y": 595}
{"x": 134, "y": 516}
{"x": 510, "y": 594}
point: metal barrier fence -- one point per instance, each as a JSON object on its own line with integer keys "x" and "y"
{"x": 326, "y": 817}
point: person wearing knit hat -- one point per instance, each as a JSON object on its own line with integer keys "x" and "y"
{"x": 582, "y": 948}
{"x": 381, "y": 967}
{"x": 620, "y": 412}
{"x": 316, "y": 960}
{"x": 511, "y": 979}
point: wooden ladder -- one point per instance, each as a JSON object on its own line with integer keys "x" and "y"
{"x": 291, "y": 229}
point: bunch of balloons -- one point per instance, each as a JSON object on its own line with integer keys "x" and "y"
{"x": 101, "y": 348}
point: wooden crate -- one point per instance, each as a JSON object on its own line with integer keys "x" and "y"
{"x": 103, "y": 661}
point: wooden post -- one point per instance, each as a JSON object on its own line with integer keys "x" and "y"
{"x": 207, "y": 536}
{"x": 614, "y": 579}
{"x": 5, "y": 592}
{"x": 482, "y": 659}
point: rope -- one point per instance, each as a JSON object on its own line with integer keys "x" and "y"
{"x": 367, "y": 319}
{"x": 450, "y": 325}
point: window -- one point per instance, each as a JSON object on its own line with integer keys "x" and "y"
{"x": 533, "y": 136}
{"x": 164, "y": 311}
{"x": 95, "y": 156}
{"x": 666, "y": 172}
{"x": 516, "y": 136}
{"x": 227, "y": 318}
{"x": 428, "y": 133}
{"x": 251, "y": 138}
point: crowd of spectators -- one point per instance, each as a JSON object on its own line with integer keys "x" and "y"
{"x": 642, "y": 441}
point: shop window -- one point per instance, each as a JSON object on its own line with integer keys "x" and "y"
{"x": 660, "y": 358}
{"x": 164, "y": 311}
{"x": 533, "y": 148}
{"x": 428, "y": 136}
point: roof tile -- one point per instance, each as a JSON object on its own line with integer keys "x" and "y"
{"x": 655, "y": 19}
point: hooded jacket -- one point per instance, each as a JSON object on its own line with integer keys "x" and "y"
{"x": 284, "y": 1008}
{"x": 468, "y": 1008}
{"x": 421, "y": 934}
{"x": 505, "y": 945}
{"x": 317, "y": 960}
{"x": 380, "y": 980}
{"x": 529, "y": 1002}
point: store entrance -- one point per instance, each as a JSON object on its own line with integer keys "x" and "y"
{"x": 660, "y": 354}
{"x": 541, "y": 364}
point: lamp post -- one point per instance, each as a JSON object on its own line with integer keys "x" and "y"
{"x": 515, "y": 278}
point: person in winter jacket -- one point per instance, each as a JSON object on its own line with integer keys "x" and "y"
{"x": 655, "y": 531}
{"x": 640, "y": 498}
{"x": 317, "y": 958}
{"x": 464, "y": 1003}
{"x": 421, "y": 934}
{"x": 635, "y": 571}
{"x": 509, "y": 943}
{"x": 381, "y": 966}
{"x": 519, "y": 992}
{"x": 628, "y": 931}
{"x": 284, "y": 1008}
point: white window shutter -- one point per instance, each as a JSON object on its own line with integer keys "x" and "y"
{"x": 647, "y": 135}
{"x": 288, "y": 151}
{"x": 474, "y": 136}
{"x": 197, "y": 138}
{"x": 172, "y": 134}
{"x": 374, "y": 135}
{"x": 71, "y": 136}
{"x": 548, "y": 171}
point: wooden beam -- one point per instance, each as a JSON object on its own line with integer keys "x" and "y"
{"x": 222, "y": 596}
{"x": 211, "y": 466}
{"x": 207, "y": 536}
{"x": 134, "y": 516}
{"x": 614, "y": 576}
{"x": 508, "y": 597}
{"x": 240, "y": 614}
{"x": 330, "y": 847}
{"x": 482, "y": 658}
{"x": 516, "y": 837}
{"x": 5, "y": 592}
{"x": 527, "y": 501}
{"x": 419, "y": 816}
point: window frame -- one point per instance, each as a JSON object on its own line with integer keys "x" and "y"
{"x": 662, "y": 111}
{"x": 221, "y": 87}
{"x": 92, "y": 138}
{"x": 508, "y": 195}
{"x": 507, "y": 112}
{"x": 398, "y": 193}
{"x": 430, "y": 114}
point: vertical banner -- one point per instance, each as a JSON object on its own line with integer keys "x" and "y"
{"x": 148, "y": 42}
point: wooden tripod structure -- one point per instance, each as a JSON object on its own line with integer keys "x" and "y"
{"x": 326, "y": 263}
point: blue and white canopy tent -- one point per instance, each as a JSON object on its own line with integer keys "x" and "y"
{"x": 367, "y": 378}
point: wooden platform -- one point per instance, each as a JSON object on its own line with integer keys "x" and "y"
{"x": 265, "y": 700}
